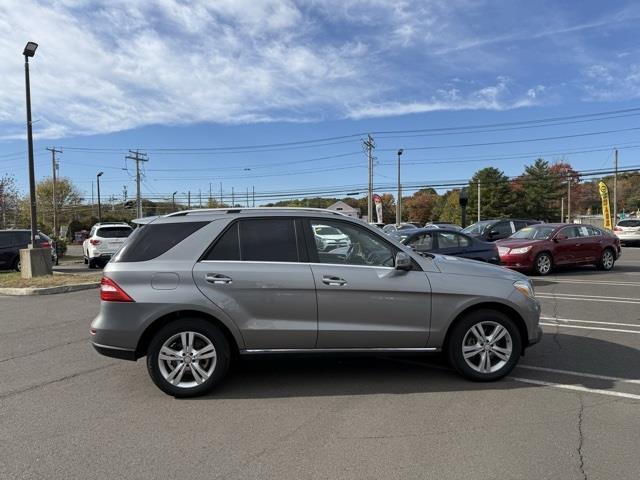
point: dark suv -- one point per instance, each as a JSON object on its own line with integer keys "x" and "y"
{"x": 492, "y": 230}
{"x": 12, "y": 241}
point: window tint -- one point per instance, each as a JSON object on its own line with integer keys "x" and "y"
{"x": 447, "y": 240}
{"x": 518, "y": 224}
{"x": 268, "y": 240}
{"x": 362, "y": 247}
{"x": 463, "y": 241}
{"x": 114, "y": 232}
{"x": 5, "y": 239}
{"x": 570, "y": 232}
{"x": 422, "y": 242}
{"x": 151, "y": 241}
{"x": 593, "y": 231}
{"x": 228, "y": 245}
{"x": 503, "y": 228}
{"x": 629, "y": 223}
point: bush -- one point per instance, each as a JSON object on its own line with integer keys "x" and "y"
{"x": 61, "y": 245}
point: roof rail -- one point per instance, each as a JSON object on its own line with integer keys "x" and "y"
{"x": 252, "y": 209}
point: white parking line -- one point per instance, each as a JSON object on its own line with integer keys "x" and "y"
{"x": 580, "y": 374}
{"x": 576, "y": 388}
{"x": 587, "y": 282}
{"x": 619, "y": 330}
{"x": 590, "y": 321}
{"x": 588, "y": 298}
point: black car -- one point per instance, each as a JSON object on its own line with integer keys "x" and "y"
{"x": 492, "y": 230}
{"x": 12, "y": 241}
{"x": 449, "y": 242}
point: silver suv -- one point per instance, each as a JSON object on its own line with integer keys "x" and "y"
{"x": 192, "y": 289}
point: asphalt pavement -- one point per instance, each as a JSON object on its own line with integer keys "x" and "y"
{"x": 571, "y": 410}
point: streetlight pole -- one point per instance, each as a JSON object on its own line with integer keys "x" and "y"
{"x": 399, "y": 200}
{"x": 99, "y": 205}
{"x": 30, "y": 51}
{"x": 173, "y": 200}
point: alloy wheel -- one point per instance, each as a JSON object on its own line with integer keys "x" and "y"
{"x": 187, "y": 359}
{"x": 543, "y": 264}
{"x": 487, "y": 347}
{"x": 607, "y": 259}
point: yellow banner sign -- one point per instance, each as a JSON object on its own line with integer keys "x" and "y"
{"x": 606, "y": 211}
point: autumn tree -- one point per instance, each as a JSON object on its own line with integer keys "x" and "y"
{"x": 420, "y": 207}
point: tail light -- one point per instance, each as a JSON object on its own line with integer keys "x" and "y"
{"x": 110, "y": 291}
{"x": 94, "y": 241}
{"x": 617, "y": 229}
{"x": 45, "y": 245}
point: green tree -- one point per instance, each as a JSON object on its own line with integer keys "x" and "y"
{"x": 496, "y": 196}
{"x": 8, "y": 201}
{"x": 537, "y": 192}
{"x": 448, "y": 208}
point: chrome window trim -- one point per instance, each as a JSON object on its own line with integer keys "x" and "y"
{"x": 297, "y": 263}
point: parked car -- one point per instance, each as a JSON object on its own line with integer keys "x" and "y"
{"x": 191, "y": 289}
{"x": 377, "y": 224}
{"x": 541, "y": 248}
{"x": 445, "y": 225}
{"x": 628, "y": 231}
{"x": 329, "y": 238}
{"x": 449, "y": 242}
{"x": 12, "y": 241}
{"x": 492, "y": 230}
{"x": 392, "y": 227}
{"x": 103, "y": 241}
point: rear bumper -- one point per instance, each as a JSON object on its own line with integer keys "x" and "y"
{"x": 115, "y": 352}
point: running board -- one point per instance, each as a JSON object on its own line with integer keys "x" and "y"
{"x": 252, "y": 351}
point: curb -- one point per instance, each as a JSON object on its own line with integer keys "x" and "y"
{"x": 30, "y": 291}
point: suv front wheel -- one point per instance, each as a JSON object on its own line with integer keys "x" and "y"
{"x": 484, "y": 346}
{"x": 188, "y": 357}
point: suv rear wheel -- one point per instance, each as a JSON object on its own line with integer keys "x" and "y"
{"x": 484, "y": 346}
{"x": 188, "y": 357}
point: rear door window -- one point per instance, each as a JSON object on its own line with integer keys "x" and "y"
{"x": 258, "y": 240}
{"x": 629, "y": 223}
{"x": 447, "y": 240}
{"x": 5, "y": 239}
{"x": 503, "y": 228}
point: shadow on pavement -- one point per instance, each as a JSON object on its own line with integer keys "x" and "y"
{"x": 302, "y": 376}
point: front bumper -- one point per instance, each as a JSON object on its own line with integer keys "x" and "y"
{"x": 517, "y": 262}
{"x": 537, "y": 338}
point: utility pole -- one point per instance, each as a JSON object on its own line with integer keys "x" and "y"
{"x": 247, "y": 197}
{"x": 233, "y": 198}
{"x": 54, "y": 167}
{"x": 254, "y": 195}
{"x": 478, "y": 199}
{"x": 220, "y": 193}
{"x": 569, "y": 199}
{"x": 189, "y": 199}
{"x": 138, "y": 157}
{"x": 200, "y": 197}
{"x": 399, "y": 200}
{"x": 562, "y": 210}
{"x": 615, "y": 188}
{"x": 369, "y": 145}
{"x": 209, "y": 202}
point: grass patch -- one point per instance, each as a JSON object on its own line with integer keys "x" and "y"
{"x": 14, "y": 280}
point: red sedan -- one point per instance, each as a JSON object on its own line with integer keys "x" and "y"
{"x": 540, "y": 248}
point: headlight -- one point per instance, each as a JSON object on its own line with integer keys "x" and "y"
{"x": 526, "y": 288}
{"x": 520, "y": 251}
{"x": 503, "y": 251}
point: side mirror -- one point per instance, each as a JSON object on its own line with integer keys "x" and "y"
{"x": 403, "y": 261}
{"x": 493, "y": 233}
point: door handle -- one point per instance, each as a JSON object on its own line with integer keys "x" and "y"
{"x": 217, "y": 278}
{"x": 333, "y": 281}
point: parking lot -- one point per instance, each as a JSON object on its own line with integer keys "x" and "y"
{"x": 571, "y": 410}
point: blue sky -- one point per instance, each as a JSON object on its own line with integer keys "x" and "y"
{"x": 115, "y": 75}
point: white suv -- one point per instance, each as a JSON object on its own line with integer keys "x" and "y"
{"x": 105, "y": 239}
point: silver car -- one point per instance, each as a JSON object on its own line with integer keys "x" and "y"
{"x": 192, "y": 289}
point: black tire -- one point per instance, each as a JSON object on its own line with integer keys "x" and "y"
{"x": 607, "y": 260}
{"x": 459, "y": 334}
{"x": 202, "y": 327}
{"x": 543, "y": 264}
{"x": 16, "y": 264}
{"x": 85, "y": 260}
{"x": 92, "y": 263}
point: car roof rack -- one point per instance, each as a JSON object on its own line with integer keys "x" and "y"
{"x": 102, "y": 224}
{"x": 222, "y": 211}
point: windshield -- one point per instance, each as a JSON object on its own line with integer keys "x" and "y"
{"x": 477, "y": 228}
{"x": 534, "y": 233}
